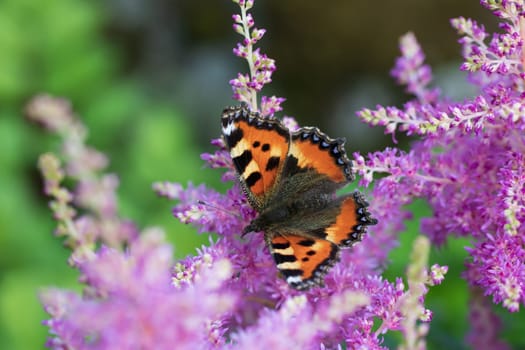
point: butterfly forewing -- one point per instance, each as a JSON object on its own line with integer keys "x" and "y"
{"x": 315, "y": 150}
{"x": 258, "y": 148}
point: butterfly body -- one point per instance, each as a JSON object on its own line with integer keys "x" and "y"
{"x": 290, "y": 179}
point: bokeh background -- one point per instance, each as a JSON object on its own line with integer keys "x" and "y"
{"x": 150, "y": 78}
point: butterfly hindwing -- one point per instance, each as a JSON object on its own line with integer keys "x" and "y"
{"x": 303, "y": 262}
{"x": 351, "y": 221}
{"x": 258, "y": 148}
{"x": 342, "y": 221}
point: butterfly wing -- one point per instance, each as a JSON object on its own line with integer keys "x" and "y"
{"x": 303, "y": 262}
{"x": 305, "y": 255}
{"x": 351, "y": 221}
{"x": 258, "y": 148}
{"x": 312, "y": 150}
{"x": 342, "y": 221}
{"x": 314, "y": 168}
{"x": 322, "y": 161}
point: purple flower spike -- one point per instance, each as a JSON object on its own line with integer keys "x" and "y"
{"x": 261, "y": 67}
{"x": 468, "y": 164}
{"x": 131, "y": 304}
{"x": 409, "y": 70}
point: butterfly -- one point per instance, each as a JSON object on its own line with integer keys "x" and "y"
{"x": 290, "y": 179}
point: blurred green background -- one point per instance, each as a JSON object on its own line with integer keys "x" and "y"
{"x": 150, "y": 78}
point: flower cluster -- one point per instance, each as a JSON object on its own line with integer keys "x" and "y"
{"x": 130, "y": 298}
{"x": 261, "y": 67}
{"x": 129, "y": 302}
{"x": 469, "y": 163}
{"x": 94, "y": 195}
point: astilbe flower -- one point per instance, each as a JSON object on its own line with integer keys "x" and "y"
{"x": 468, "y": 163}
{"x": 94, "y": 194}
{"x": 131, "y": 304}
{"x": 130, "y": 299}
{"x": 261, "y": 67}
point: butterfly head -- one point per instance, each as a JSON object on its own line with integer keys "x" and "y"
{"x": 250, "y": 228}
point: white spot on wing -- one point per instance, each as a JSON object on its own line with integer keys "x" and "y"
{"x": 251, "y": 168}
{"x": 294, "y": 279}
{"x": 228, "y": 129}
{"x": 286, "y": 251}
{"x": 239, "y": 148}
{"x": 288, "y": 265}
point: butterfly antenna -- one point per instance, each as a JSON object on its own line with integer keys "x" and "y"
{"x": 209, "y": 205}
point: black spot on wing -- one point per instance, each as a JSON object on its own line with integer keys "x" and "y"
{"x": 256, "y": 144}
{"x": 291, "y": 166}
{"x": 319, "y": 232}
{"x": 306, "y": 242}
{"x": 311, "y": 252}
{"x": 273, "y": 163}
{"x": 242, "y": 161}
{"x": 265, "y": 147}
{"x": 291, "y": 272}
{"x": 253, "y": 178}
{"x": 281, "y": 245}
{"x": 281, "y": 258}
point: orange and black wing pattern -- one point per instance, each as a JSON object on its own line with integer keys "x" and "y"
{"x": 258, "y": 148}
{"x": 316, "y": 151}
{"x": 303, "y": 262}
{"x": 351, "y": 222}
